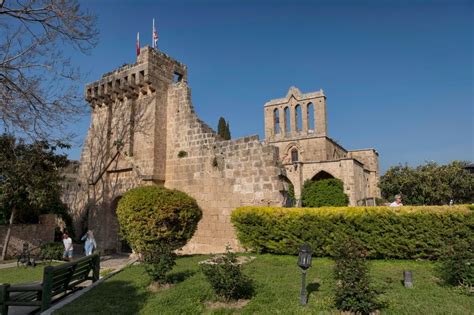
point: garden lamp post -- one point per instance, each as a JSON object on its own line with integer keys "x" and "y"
{"x": 304, "y": 262}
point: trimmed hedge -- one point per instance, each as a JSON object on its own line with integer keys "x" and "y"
{"x": 386, "y": 232}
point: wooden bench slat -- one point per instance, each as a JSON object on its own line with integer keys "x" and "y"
{"x": 71, "y": 271}
{"x": 23, "y": 303}
{"x": 24, "y": 296}
{"x": 25, "y": 287}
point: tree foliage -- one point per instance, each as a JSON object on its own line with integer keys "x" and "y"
{"x": 429, "y": 184}
{"x": 324, "y": 192}
{"x": 38, "y": 84}
{"x": 223, "y": 129}
{"x": 30, "y": 179}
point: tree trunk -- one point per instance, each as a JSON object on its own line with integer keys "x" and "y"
{"x": 7, "y": 237}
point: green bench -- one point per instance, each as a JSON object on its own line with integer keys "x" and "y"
{"x": 58, "y": 281}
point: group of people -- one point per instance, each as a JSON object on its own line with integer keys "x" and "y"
{"x": 89, "y": 246}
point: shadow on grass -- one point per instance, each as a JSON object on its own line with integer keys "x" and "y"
{"x": 312, "y": 287}
{"x": 110, "y": 297}
{"x": 176, "y": 277}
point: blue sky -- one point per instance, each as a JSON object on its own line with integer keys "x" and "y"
{"x": 398, "y": 75}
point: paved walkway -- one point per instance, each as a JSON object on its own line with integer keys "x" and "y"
{"x": 111, "y": 263}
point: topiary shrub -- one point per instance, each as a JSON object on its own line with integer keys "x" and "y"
{"x": 386, "y": 232}
{"x": 457, "y": 264}
{"x": 155, "y": 221}
{"x": 324, "y": 192}
{"x": 226, "y": 278}
{"x": 354, "y": 292}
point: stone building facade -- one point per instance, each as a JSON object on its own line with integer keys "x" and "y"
{"x": 297, "y": 126}
{"x": 144, "y": 131}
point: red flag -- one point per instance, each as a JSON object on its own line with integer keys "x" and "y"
{"x": 138, "y": 44}
{"x": 155, "y": 36}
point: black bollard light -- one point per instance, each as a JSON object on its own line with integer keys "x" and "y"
{"x": 408, "y": 279}
{"x": 304, "y": 262}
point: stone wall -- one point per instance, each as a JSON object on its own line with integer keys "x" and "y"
{"x": 34, "y": 234}
{"x": 370, "y": 159}
{"x": 220, "y": 175}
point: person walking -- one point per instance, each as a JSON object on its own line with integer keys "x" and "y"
{"x": 90, "y": 243}
{"x": 68, "y": 247}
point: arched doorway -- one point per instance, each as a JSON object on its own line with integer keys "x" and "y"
{"x": 288, "y": 192}
{"x": 122, "y": 245}
{"x": 322, "y": 175}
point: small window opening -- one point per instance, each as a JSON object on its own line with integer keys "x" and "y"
{"x": 177, "y": 77}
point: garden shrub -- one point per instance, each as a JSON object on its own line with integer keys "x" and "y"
{"x": 155, "y": 221}
{"x": 386, "y": 232}
{"x": 457, "y": 264}
{"x": 354, "y": 292}
{"x": 324, "y": 192}
{"x": 51, "y": 251}
{"x": 159, "y": 260}
{"x": 226, "y": 277}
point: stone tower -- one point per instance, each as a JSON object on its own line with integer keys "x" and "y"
{"x": 297, "y": 126}
{"x": 144, "y": 131}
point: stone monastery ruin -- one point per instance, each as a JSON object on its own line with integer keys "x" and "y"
{"x": 144, "y": 131}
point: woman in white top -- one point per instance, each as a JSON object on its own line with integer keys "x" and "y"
{"x": 397, "y": 202}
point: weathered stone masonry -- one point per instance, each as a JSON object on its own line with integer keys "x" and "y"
{"x": 142, "y": 118}
{"x": 144, "y": 131}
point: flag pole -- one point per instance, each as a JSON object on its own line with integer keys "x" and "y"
{"x": 153, "y": 35}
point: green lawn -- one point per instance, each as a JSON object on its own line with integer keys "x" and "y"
{"x": 277, "y": 283}
{"x": 22, "y": 274}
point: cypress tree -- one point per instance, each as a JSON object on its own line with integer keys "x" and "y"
{"x": 221, "y": 128}
{"x": 227, "y": 129}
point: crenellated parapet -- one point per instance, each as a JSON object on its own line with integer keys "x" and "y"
{"x": 152, "y": 68}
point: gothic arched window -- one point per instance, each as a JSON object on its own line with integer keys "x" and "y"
{"x": 276, "y": 121}
{"x": 310, "y": 112}
{"x": 294, "y": 155}
{"x": 287, "y": 120}
{"x": 298, "y": 118}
